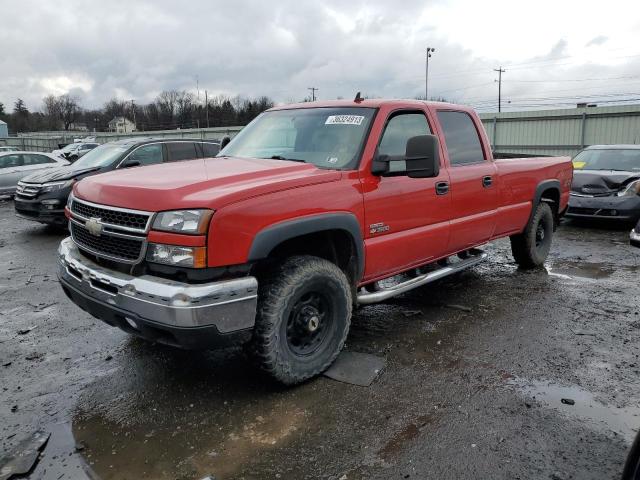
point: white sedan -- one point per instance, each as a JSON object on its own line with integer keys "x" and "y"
{"x": 15, "y": 165}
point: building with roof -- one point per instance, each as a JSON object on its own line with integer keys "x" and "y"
{"x": 4, "y": 129}
{"x": 122, "y": 125}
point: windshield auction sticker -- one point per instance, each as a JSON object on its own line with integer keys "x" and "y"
{"x": 344, "y": 120}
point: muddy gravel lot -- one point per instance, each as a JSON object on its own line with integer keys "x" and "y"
{"x": 477, "y": 367}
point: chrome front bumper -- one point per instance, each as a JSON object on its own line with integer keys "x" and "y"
{"x": 228, "y": 305}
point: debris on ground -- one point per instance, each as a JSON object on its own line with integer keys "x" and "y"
{"x": 356, "y": 368}
{"x": 568, "y": 401}
{"x": 458, "y": 307}
{"x": 23, "y": 457}
{"x": 411, "y": 313}
{"x": 24, "y": 331}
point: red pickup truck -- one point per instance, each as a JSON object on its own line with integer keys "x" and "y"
{"x": 307, "y": 213}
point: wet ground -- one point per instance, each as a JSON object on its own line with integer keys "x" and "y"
{"x": 481, "y": 370}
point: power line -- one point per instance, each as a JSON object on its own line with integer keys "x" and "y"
{"x": 313, "y": 93}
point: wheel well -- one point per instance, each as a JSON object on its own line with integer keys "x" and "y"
{"x": 337, "y": 246}
{"x": 551, "y": 196}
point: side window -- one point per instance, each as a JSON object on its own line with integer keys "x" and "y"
{"x": 210, "y": 149}
{"x": 399, "y": 129}
{"x": 182, "y": 151}
{"x": 461, "y": 138}
{"x": 147, "y": 155}
{"x": 8, "y": 161}
{"x": 31, "y": 159}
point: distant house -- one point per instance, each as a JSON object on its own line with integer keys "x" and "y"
{"x": 4, "y": 130}
{"x": 78, "y": 127}
{"x": 122, "y": 125}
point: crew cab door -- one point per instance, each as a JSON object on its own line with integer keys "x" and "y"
{"x": 406, "y": 219}
{"x": 473, "y": 180}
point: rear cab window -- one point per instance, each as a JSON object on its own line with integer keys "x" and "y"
{"x": 209, "y": 149}
{"x": 461, "y": 138}
{"x": 181, "y": 151}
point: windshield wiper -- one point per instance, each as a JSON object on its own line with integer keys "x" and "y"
{"x": 280, "y": 157}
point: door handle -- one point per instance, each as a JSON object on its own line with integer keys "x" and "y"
{"x": 487, "y": 181}
{"x": 442, "y": 188}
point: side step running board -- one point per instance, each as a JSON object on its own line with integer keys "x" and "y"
{"x": 381, "y": 295}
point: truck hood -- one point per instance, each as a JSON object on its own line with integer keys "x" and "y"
{"x": 207, "y": 183}
{"x": 601, "y": 182}
{"x": 58, "y": 174}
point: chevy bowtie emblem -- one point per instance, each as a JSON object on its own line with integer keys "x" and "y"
{"x": 94, "y": 226}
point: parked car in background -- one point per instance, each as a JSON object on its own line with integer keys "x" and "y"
{"x": 16, "y": 165}
{"x": 635, "y": 235}
{"x": 9, "y": 149}
{"x": 42, "y": 197}
{"x": 606, "y": 183}
{"x": 74, "y": 151}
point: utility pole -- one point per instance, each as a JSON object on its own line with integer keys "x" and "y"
{"x": 206, "y": 102}
{"x": 426, "y": 76}
{"x": 500, "y": 72}
{"x": 133, "y": 109}
{"x": 313, "y": 93}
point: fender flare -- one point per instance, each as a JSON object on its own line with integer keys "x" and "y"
{"x": 270, "y": 237}
{"x": 540, "y": 189}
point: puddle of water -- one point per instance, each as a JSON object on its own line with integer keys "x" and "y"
{"x": 59, "y": 459}
{"x": 624, "y": 421}
{"x": 570, "y": 269}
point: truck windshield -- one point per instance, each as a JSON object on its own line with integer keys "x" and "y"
{"x": 613, "y": 159}
{"x": 101, "y": 156}
{"x": 327, "y": 137}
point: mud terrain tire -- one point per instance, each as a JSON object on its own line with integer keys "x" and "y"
{"x": 303, "y": 318}
{"x": 531, "y": 248}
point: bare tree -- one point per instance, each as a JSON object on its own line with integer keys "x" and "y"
{"x": 51, "y": 111}
{"x": 69, "y": 109}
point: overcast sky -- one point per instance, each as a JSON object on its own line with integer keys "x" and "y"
{"x": 135, "y": 49}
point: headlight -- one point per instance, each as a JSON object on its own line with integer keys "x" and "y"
{"x": 183, "y": 221}
{"x": 632, "y": 189}
{"x": 176, "y": 255}
{"x": 53, "y": 186}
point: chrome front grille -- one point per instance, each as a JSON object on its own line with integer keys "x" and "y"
{"x": 125, "y": 219}
{"x": 123, "y": 249}
{"x": 109, "y": 232}
{"x": 28, "y": 190}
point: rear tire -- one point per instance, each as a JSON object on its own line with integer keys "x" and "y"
{"x": 531, "y": 248}
{"x": 303, "y": 318}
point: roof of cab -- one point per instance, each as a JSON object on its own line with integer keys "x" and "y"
{"x": 368, "y": 103}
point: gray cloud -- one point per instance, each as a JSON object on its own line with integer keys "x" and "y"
{"x": 134, "y": 50}
{"x": 599, "y": 40}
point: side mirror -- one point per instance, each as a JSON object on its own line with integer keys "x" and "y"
{"x": 225, "y": 141}
{"x": 421, "y": 159}
{"x": 423, "y": 156}
{"x": 130, "y": 163}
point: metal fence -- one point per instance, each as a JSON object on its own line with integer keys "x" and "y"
{"x": 562, "y": 132}
{"x": 48, "y": 141}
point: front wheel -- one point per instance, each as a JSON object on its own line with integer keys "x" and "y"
{"x": 304, "y": 314}
{"x": 531, "y": 247}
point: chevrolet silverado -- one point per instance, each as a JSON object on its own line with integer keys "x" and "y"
{"x": 310, "y": 211}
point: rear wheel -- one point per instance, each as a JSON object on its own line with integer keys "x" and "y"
{"x": 304, "y": 313}
{"x": 531, "y": 248}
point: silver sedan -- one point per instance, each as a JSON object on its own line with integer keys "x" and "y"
{"x": 15, "y": 165}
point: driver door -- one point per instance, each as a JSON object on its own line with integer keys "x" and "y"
{"x": 406, "y": 219}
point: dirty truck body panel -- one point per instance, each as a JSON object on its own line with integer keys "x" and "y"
{"x": 264, "y": 208}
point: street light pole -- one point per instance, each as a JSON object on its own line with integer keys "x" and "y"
{"x": 426, "y": 77}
